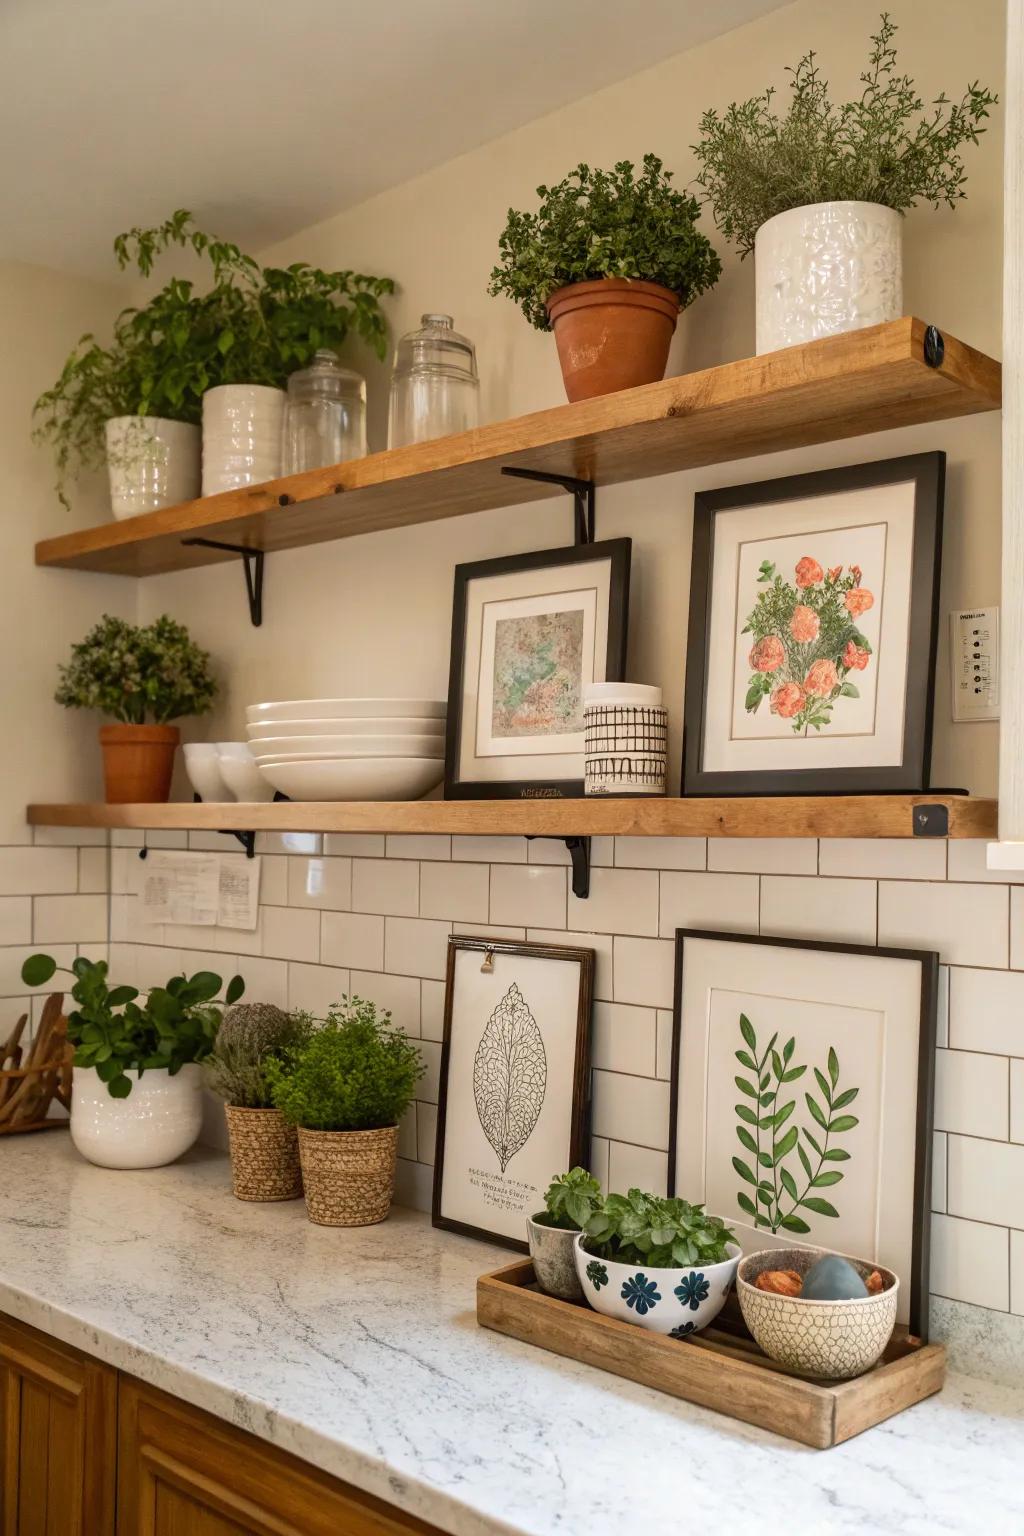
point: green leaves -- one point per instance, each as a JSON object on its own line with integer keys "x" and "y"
{"x": 137, "y": 672}
{"x": 639, "y": 1228}
{"x": 355, "y": 1073}
{"x": 38, "y": 970}
{"x": 571, "y": 1199}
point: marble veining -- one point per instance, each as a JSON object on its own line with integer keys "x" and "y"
{"x": 359, "y": 1351}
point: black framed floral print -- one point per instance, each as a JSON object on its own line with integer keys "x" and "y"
{"x": 801, "y": 1096}
{"x": 513, "y": 1104}
{"x": 529, "y": 632}
{"x": 810, "y": 665}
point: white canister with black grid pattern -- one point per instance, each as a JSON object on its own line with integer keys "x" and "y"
{"x": 626, "y": 731}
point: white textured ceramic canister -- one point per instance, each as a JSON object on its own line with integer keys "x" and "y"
{"x": 826, "y": 268}
{"x": 151, "y": 463}
{"x": 626, "y": 739}
{"x": 242, "y": 425}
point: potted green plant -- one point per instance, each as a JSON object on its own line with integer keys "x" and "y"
{"x": 143, "y": 676}
{"x": 818, "y": 193}
{"x": 345, "y": 1088}
{"x": 607, "y": 262}
{"x": 264, "y": 1147}
{"x": 136, "y": 1096}
{"x": 661, "y": 1263}
{"x": 570, "y": 1201}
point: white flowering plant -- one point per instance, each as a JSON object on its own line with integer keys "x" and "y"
{"x": 138, "y": 673}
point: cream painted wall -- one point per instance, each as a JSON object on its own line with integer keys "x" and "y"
{"x": 49, "y": 753}
{"x": 372, "y": 615}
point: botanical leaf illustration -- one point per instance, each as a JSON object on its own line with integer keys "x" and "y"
{"x": 510, "y": 1072}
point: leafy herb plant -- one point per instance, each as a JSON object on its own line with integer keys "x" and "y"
{"x": 756, "y": 163}
{"x": 354, "y": 1073}
{"x": 570, "y": 1201}
{"x": 769, "y": 1132}
{"x": 643, "y": 1229}
{"x": 114, "y": 1032}
{"x": 137, "y": 673}
{"x": 250, "y": 1036}
{"x": 598, "y": 224}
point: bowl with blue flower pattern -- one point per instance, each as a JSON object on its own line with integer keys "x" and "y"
{"x": 676, "y": 1302}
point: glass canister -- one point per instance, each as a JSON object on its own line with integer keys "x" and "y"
{"x": 324, "y": 416}
{"x": 434, "y": 384}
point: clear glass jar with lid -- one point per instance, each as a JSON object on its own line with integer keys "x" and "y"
{"x": 324, "y": 416}
{"x": 434, "y": 384}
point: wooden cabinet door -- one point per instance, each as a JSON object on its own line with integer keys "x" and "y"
{"x": 182, "y": 1472}
{"x": 58, "y": 1440}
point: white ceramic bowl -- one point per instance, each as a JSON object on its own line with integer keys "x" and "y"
{"x": 276, "y": 747}
{"x": 391, "y": 725}
{"x": 677, "y": 1302}
{"x": 340, "y": 709}
{"x": 240, "y": 772}
{"x": 203, "y": 769}
{"x": 356, "y": 778}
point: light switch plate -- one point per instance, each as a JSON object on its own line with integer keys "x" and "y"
{"x": 974, "y": 663}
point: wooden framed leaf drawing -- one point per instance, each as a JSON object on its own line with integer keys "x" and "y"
{"x": 513, "y": 1105}
{"x": 802, "y": 1078}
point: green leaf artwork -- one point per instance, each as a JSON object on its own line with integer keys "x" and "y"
{"x": 777, "y": 1195}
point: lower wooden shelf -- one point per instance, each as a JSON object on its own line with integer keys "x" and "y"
{"x": 781, "y": 816}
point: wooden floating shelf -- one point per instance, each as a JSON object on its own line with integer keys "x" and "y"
{"x": 844, "y": 386}
{"x": 784, "y": 816}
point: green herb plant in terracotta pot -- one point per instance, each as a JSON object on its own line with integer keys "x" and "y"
{"x": 570, "y": 1201}
{"x": 607, "y": 262}
{"x": 136, "y": 1097}
{"x": 345, "y": 1088}
{"x": 143, "y": 676}
{"x": 264, "y": 1147}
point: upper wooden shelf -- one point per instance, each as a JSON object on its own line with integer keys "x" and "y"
{"x": 782, "y": 816}
{"x": 844, "y": 386}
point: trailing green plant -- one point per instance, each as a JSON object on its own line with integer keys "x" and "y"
{"x": 114, "y": 1032}
{"x": 756, "y": 163}
{"x": 598, "y": 224}
{"x": 252, "y": 325}
{"x": 136, "y": 673}
{"x": 251, "y": 1035}
{"x": 638, "y": 1228}
{"x": 570, "y": 1201}
{"x": 354, "y": 1073}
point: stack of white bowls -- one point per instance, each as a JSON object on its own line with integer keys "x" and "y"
{"x": 349, "y": 749}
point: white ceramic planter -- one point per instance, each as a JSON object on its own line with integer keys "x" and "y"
{"x": 242, "y": 426}
{"x": 825, "y": 268}
{"x": 157, "y": 1122}
{"x": 151, "y": 463}
{"x": 673, "y": 1301}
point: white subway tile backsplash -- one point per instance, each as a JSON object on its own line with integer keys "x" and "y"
{"x": 28, "y": 871}
{"x": 633, "y": 1109}
{"x": 69, "y": 837}
{"x": 417, "y": 846}
{"x": 645, "y": 972}
{"x": 427, "y": 1089}
{"x": 598, "y": 1166}
{"x": 986, "y": 1010}
{"x": 407, "y": 1134}
{"x": 316, "y": 988}
{"x": 93, "y": 870}
{"x": 839, "y": 910}
{"x": 620, "y": 901}
{"x": 708, "y": 901}
{"x": 972, "y": 1094}
{"x": 986, "y": 1180}
{"x": 661, "y": 852}
{"x": 416, "y": 946}
{"x": 426, "y": 1132}
{"x": 967, "y": 924}
{"x": 939, "y": 1154}
{"x": 390, "y": 886}
{"x": 432, "y": 1010}
{"x": 533, "y": 895}
{"x": 1017, "y": 927}
{"x": 552, "y": 850}
{"x": 291, "y": 933}
{"x": 400, "y": 995}
{"x": 352, "y": 939}
{"x": 764, "y": 855}
{"x": 970, "y": 1262}
{"x": 967, "y": 861}
{"x": 1017, "y": 1100}
{"x": 356, "y": 845}
{"x": 624, "y": 1038}
{"x": 325, "y": 884}
{"x": 883, "y": 858}
{"x": 493, "y": 931}
{"x": 632, "y": 1167}
{"x": 1017, "y": 1272}
{"x": 490, "y": 850}
{"x": 601, "y": 943}
{"x": 266, "y": 981}
{"x": 309, "y": 844}
{"x": 15, "y": 919}
{"x": 460, "y": 891}
{"x": 663, "y": 1067}
{"x": 69, "y": 920}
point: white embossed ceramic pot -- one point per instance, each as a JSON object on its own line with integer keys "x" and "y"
{"x": 242, "y": 426}
{"x": 151, "y": 463}
{"x": 157, "y": 1122}
{"x": 677, "y": 1302}
{"x": 825, "y": 268}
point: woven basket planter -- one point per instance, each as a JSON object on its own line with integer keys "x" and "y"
{"x": 349, "y": 1176}
{"x": 264, "y": 1155}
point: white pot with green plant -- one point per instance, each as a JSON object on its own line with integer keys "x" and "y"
{"x": 264, "y": 1147}
{"x": 570, "y": 1201}
{"x": 136, "y": 1094}
{"x": 143, "y": 676}
{"x": 345, "y": 1088}
{"x": 819, "y": 193}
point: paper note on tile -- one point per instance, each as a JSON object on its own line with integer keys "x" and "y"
{"x": 205, "y": 890}
{"x": 239, "y": 891}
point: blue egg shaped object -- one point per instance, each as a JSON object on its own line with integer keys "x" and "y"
{"x": 833, "y": 1279}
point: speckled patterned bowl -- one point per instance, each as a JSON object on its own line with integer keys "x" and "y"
{"x": 830, "y": 1339}
{"x": 673, "y": 1301}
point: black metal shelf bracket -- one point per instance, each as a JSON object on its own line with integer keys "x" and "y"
{"x": 579, "y": 853}
{"x": 252, "y": 564}
{"x": 584, "y": 493}
{"x": 247, "y": 839}
{"x": 930, "y": 820}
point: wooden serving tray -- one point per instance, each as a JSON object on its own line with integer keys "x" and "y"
{"x": 720, "y": 1368}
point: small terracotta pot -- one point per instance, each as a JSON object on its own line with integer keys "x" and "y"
{"x": 264, "y": 1154}
{"x": 138, "y": 761}
{"x": 349, "y": 1176}
{"x": 612, "y": 334}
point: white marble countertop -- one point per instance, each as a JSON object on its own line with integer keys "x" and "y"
{"x": 359, "y": 1351}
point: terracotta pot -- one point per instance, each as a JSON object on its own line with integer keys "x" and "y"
{"x": 349, "y": 1176}
{"x": 138, "y": 761}
{"x": 264, "y": 1154}
{"x": 612, "y": 334}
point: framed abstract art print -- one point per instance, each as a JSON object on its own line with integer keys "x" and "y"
{"x": 810, "y": 665}
{"x": 801, "y": 1098}
{"x": 529, "y": 632}
{"x": 513, "y": 1106}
